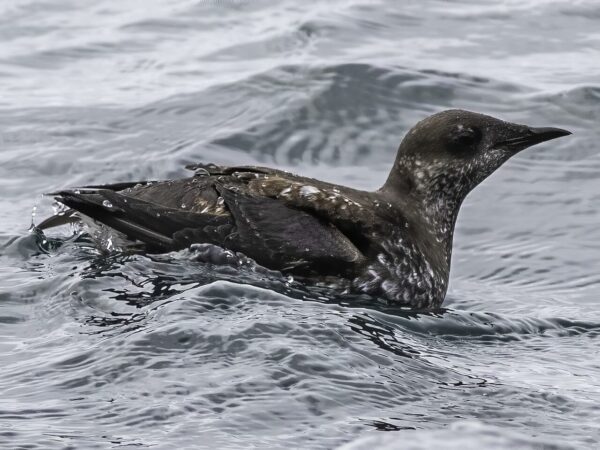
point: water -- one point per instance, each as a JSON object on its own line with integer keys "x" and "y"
{"x": 171, "y": 352}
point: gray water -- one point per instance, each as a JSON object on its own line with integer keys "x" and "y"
{"x": 146, "y": 351}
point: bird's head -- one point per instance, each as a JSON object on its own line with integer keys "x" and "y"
{"x": 449, "y": 153}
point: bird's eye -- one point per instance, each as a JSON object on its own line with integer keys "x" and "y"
{"x": 466, "y": 137}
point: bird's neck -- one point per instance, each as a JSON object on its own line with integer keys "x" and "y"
{"x": 439, "y": 192}
{"x": 440, "y": 214}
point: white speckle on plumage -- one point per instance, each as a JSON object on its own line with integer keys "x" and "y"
{"x": 390, "y": 288}
{"x": 309, "y": 190}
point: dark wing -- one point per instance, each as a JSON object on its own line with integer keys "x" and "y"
{"x": 341, "y": 205}
{"x": 69, "y": 216}
{"x": 283, "y": 221}
{"x": 153, "y": 224}
{"x": 265, "y": 229}
{"x": 284, "y": 238}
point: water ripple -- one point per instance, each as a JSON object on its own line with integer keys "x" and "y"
{"x": 175, "y": 351}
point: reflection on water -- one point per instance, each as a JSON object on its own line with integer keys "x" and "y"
{"x": 193, "y": 349}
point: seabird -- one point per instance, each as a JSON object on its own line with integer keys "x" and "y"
{"x": 395, "y": 242}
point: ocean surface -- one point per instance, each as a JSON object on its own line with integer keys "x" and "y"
{"x": 101, "y": 351}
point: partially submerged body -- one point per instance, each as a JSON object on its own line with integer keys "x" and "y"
{"x": 395, "y": 242}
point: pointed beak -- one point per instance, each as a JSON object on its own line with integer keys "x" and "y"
{"x": 528, "y": 136}
{"x": 545, "y": 134}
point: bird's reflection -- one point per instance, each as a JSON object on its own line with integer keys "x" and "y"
{"x": 381, "y": 335}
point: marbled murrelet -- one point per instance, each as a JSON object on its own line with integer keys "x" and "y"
{"x": 395, "y": 242}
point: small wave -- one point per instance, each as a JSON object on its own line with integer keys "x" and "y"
{"x": 458, "y": 436}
